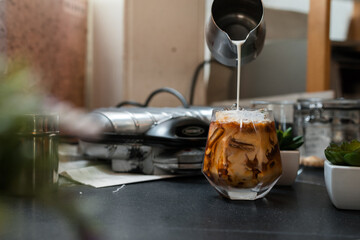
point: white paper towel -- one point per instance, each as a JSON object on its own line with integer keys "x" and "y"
{"x": 101, "y": 175}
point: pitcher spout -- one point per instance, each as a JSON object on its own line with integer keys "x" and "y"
{"x": 233, "y": 20}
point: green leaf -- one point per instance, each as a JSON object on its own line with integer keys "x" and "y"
{"x": 352, "y": 146}
{"x": 353, "y": 158}
{"x": 348, "y": 153}
{"x": 298, "y": 139}
{"x": 334, "y": 157}
{"x": 287, "y": 141}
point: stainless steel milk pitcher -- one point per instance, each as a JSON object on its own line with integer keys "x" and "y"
{"x": 235, "y": 20}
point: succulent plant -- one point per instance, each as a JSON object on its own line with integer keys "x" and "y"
{"x": 287, "y": 141}
{"x": 347, "y": 153}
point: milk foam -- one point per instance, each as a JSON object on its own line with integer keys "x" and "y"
{"x": 242, "y": 115}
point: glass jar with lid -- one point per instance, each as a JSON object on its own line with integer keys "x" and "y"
{"x": 344, "y": 116}
{"x": 322, "y": 122}
{"x": 314, "y": 125}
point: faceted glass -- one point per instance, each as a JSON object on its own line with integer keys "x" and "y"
{"x": 242, "y": 157}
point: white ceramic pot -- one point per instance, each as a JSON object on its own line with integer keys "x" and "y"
{"x": 290, "y": 161}
{"x": 342, "y": 185}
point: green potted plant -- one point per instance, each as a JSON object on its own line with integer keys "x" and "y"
{"x": 290, "y": 155}
{"x": 342, "y": 174}
{"x": 19, "y": 95}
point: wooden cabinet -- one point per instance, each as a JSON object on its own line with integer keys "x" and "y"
{"x": 318, "y": 58}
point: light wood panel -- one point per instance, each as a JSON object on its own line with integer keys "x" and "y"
{"x": 354, "y": 30}
{"x": 318, "y": 56}
{"x": 164, "y": 43}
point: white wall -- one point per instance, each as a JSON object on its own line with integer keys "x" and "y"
{"x": 340, "y": 16}
{"x": 301, "y": 6}
{"x": 341, "y": 11}
{"x": 106, "y": 53}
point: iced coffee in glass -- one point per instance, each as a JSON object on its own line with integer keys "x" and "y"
{"x": 242, "y": 156}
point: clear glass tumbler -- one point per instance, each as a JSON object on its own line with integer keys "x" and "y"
{"x": 242, "y": 157}
{"x": 35, "y": 167}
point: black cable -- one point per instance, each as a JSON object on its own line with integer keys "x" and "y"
{"x": 195, "y": 77}
{"x": 132, "y": 103}
{"x": 168, "y": 90}
{"x": 173, "y": 91}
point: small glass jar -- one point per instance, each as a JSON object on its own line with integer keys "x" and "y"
{"x": 344, "y": 116}
{"x": 314, "y": 126}
{"x": 322, "y": 122}
{"x": 34, "y": 168}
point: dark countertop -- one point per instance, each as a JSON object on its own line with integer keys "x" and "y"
{"x": 182, "y": 208}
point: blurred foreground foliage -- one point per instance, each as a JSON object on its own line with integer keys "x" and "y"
{"x": 21, "y": 94}
{"x": 20, "y": 91}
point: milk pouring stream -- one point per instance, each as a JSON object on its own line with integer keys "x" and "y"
{"x": 238, "y": 46}
{"x": 235, "y": 33}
